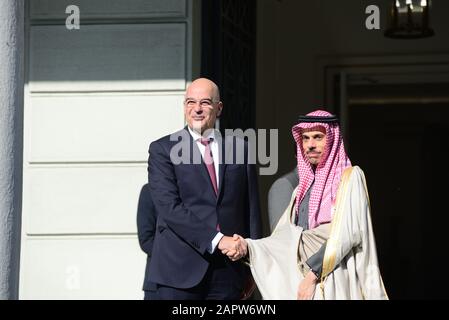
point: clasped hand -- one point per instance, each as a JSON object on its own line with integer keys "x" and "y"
{"x": 234, "y": 247}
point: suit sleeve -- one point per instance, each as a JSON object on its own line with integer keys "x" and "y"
{"x": 255, "y": 223}
{"x": 169, "y": 205}
{"x": 146, "y": 220}
{"x": 279, "y": 197}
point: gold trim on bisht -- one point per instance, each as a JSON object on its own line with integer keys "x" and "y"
{"x": 333, "y": 242}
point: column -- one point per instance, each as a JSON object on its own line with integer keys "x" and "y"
{"x": 11, "y": 142}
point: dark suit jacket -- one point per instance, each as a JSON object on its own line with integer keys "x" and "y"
{"x": 146, "y": 227}
{"x": 188, "y": 209}
{"x": 280, "y": 195}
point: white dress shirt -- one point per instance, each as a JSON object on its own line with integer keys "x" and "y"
{"x": 213, "y": 147}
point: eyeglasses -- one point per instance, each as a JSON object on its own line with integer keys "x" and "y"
{"x": 204, "y": 103}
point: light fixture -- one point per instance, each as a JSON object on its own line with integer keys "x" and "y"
{"x": 409, "y": 19}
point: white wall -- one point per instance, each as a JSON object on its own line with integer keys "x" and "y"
{"x": 96, "y": 97}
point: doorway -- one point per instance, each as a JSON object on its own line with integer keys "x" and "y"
{"x": 228, "y": 58}
{"x": 397, "y": 130}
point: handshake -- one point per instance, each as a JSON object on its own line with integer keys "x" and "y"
{"x": 234, "y": 247}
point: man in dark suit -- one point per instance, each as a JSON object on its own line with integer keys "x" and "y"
{"x": 203, "y": 198}
{"x": 146, "y": 227}
{"x": 279, "y": 196}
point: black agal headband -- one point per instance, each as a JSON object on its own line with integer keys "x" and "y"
{"x": 326, "y": 119}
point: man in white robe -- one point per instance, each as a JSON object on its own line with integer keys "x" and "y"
{"x": 323, "y": 246}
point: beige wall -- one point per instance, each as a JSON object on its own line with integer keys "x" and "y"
{"x": 94, "y": 101}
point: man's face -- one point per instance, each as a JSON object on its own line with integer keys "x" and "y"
{"x": 201, "y": 106}
{"x": 313, "y": 144}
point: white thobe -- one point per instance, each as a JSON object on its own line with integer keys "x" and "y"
{"x": 350, "y": 265}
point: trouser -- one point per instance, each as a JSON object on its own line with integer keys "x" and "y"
{"x": 224, "y": 280}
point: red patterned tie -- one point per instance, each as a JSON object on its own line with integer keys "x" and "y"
{"x": 209, "y": 161}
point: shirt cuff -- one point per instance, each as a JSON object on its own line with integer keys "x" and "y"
{"x": 215, "y": 242}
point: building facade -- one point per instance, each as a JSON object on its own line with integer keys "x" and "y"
{"x": 95, "y": 95}
{"x": 86, "y": 85}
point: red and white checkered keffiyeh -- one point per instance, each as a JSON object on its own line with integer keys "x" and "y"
{"x": 327, "y": 175}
